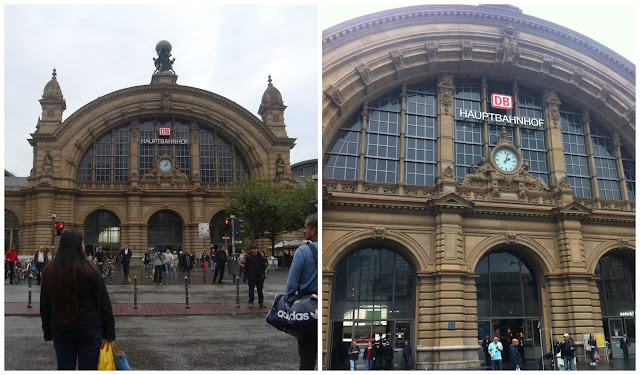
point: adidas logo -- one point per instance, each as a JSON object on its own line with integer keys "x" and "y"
{"x": 297, "y": 316}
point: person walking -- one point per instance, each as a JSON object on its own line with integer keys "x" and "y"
{"x": 75, "y": 308}
{"x": 625, "y": 345}
{"x": 495, "y": 351}
{"x": 146, "y": 260}
{"x": 11, "y": 257}
{"x": 593, "y": 349}
{"x": 186, "y": 264}
{"x": 485, "y": 349}
{"x": 158, "y": 267}
{"x": 221, "y": 263}
{"x": 167, "y": 263}
{"x": 99, "y": 259}
{"x": 406, "y": 355}
{"x": 241, "y": 273}
{"x": 369, "y": 356}
{"x": 40, "y": 259}
{"x": 514, "y": 355}
{"x": 388, "y": 355}
{"x": 303, "y": 279}
{"x": 255, "y": 265}
{"x": 567, "y": 350}
{"x": 353, "y": 353}
{"x": 205, "y": 261}
{"x": 125, "y": 256}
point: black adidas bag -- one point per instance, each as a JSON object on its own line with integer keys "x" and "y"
{"x": 297, "y": 314}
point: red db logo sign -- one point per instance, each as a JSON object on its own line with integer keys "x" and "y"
{"x": 501, "y": 101}
{"x": 164, "y": 131}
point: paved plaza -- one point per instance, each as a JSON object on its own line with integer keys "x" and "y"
{"x": 162, "y": 333}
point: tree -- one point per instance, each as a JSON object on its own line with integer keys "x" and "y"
{"x": 267, "y": 209}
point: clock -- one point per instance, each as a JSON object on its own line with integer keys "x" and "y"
{"x": 506, "y": 159}
{"x": 165, "y": 164}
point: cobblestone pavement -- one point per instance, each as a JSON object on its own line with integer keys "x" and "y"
{"x": 162, "y": 334}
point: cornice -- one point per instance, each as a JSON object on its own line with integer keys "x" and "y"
{"x": 401, "y": 17}
{"x": 137, "y": 108}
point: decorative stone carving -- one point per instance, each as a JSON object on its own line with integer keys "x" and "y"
{"x": 531, "y": 183}
{"x": 134, "y": 176}
{"x": 467, "y": 50}
{"x": 577, "y": 76}
{"x": 166, "y": 101}
{"x": 625, "y": 243}
{"x": 605, "y": 93}
{"x": 616, "y": 140}
{"x": 432, "y": 51}
{"x": 335, "y": 95}
{"x": 398, "y": 59}
{"x": 630, "y": 113}
{"x": 546, "y": 64}
{"x": 47, "y": 165}
{"x": 508, "y": 51}
{"x": 512, "y": 238}
{"x": 448, "y": 174}
{"x": 564, "y": 183}
{"x": 50, "y": 113}
{"x": 281, "y": 168}
{"x": 553, "y": 107}
{"x": 378, "y": 232}
{"x": 445, "y": 91}
{"x": 479, "y": 176}
{"x": 365, "y": 73}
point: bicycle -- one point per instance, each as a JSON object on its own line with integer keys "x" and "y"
{"x": 24, "y": 270}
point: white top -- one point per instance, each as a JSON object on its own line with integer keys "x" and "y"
{"x": 40, "y": 257}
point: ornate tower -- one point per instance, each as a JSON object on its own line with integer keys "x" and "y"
{"x": 272, "y": 110}
{"x": 53, "y": 104}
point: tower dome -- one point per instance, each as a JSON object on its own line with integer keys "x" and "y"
{"x": 52, "y": 88}
{"x": 271, "y": 95}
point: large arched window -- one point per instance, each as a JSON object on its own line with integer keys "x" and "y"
{"x": 220, "y": 160}
{"x": 108, "y": 158}
{"x": 165, "y": 228}
{"x": 383, "y": 134}
{"x": 11, "y": 230}
{"x": 102, "y": 229}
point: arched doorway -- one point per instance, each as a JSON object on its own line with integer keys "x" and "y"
{"x": 102, "y": 229}
{"x": 217, "y": 230}
{"x": 508, "y": 296}
{"x": 373, "y": 299}
{"x": 164, "y": 230}
{"x": 616, "y": 287}
{"x": 11, "y": 230}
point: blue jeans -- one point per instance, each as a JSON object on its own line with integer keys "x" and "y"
{"x": 167, "y": 267}
{"x": 354, "y": 364}
{"x": 568, "y": 363}
{"x": 81, "y": 347}
{"x": 368, "y": 364}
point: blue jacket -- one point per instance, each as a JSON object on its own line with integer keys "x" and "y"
{"x": 303, "y": 273}
{"x": 515, "y": 356}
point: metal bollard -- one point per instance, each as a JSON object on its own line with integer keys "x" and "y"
{"x": 110, "y": 281}
{"x": 29, "y": 305}
{"x": 135, "y": 292}
{"x": 186, "y": 291}
{"x": 174, "y": 276}
{"x": 237, "y": 291}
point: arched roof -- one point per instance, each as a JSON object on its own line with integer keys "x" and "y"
{"x": 368, "y": 56}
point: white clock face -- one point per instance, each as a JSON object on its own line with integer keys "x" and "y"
{"x": 165, "y": 165}
{"x": 506, "y": 160}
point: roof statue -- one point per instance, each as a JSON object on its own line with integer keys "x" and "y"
{"x": 163, "y": 62}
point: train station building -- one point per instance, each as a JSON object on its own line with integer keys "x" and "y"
{"x": 143, "y": 165}
{"x": 478, "y": 179}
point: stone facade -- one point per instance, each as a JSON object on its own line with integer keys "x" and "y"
{"x": 59, "y": 146}
{"x": 445, "y": 229}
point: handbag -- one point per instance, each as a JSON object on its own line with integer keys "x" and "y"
{"x": 295, "y": 314}
{"x": 105, "y": 358}
{"x": 596, "y": 356}
{"x": 119, "y": 358}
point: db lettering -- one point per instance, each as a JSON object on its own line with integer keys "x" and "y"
{"x": 501, "y": 101}
{"x": 164, "y": 131}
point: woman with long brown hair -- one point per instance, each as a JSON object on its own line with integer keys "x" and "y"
{"x": 74, "y": 306}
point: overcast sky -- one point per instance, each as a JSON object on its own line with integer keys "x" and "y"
{"x": 96, "y": 49}
{"x": 611, "y": 23}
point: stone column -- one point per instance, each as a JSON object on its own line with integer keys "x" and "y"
{"x": 555, "y": 155}
{"x": 446, "y": 131}
{"x": 327, "y": 278}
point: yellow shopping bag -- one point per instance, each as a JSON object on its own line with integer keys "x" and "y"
{"x": 105, "y": 359}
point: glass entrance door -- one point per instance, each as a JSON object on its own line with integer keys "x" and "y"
{"x": 506, "y": 330}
